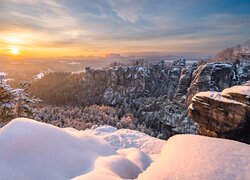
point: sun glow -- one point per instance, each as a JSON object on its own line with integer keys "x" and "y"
{"x": 14, "y": 50}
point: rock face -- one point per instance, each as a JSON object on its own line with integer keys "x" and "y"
{"x": 211, "y": 77}
{"x": 149, "y": 94}
{"x": 225, "y": 114}
{"x": 217, "y": 76}
{"x": 157, "y": 95}
{"x": 184, "y": 82}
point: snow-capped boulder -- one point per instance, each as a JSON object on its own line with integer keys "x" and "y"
{"x": 225, "y": 114}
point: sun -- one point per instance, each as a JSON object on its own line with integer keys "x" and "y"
{"x": 14, "y": 50}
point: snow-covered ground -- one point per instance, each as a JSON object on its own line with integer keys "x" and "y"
{"x": 125, "y": 138}
{"x": 199, "y": 157}
{"x": 34, "y": 150}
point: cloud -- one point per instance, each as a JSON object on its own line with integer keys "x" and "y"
{"x": 49, "y": 21}
{"x": 122, "y": 25}
{"x": 43, "y": 15}
{"x": 128, "y": 10}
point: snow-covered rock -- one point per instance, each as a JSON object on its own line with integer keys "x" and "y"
{"x": 223, "y": 114}
{"x": 211, "y": 77}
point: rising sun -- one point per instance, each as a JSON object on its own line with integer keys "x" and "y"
{"x": 14, "y": 50}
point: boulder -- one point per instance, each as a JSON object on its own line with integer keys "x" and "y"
{"x": 223, "y": 114}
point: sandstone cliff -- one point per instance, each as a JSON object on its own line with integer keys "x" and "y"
{"x": 225, "y": 114}
{"x": 157, "y": 95}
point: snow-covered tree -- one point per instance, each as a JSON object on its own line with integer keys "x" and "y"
{"x": 14, "y": 102}
{"x": 7, "y": 105}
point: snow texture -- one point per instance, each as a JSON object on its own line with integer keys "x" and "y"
{"x": 125, "y": 138}
{"x": 243, "y": 90}
{"x": 39, "y": 76}
{"x": 216, "y": 96}
{"x": 34, "y": 150}
{"x": 198, "y": 157}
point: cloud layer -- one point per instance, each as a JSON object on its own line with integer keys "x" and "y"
{"x": 84, "y": 27}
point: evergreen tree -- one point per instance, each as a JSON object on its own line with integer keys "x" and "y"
{"x": 14, "y": 102}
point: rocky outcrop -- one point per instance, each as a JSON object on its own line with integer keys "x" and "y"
{"x": 149, "y": 94}
{"x": 217, "y": 76}
{"x": 225, "y": 114}
{"x": 157, "y": 95}
{"x": 184, "y": 82}
{"x": 211, "y": 77}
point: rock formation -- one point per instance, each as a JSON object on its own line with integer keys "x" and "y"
{"x": 157, "y": 95}
{"x": 184, "y": 82}
{"x": 211, "y": 77}
{"x": 217, "y": 76}
{"x": 225, "y": 114}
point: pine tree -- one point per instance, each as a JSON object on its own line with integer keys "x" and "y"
{"x": 14, "y": 102}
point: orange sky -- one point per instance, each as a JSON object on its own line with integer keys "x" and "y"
{"x": 32, "y": 45}
{"x": 50, "y": 28}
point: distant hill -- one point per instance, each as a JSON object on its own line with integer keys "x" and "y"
{"x": 239, "y": 52}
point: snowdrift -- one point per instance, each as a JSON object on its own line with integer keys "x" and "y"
{"x": 199, "y": 157}
{"x": 34, "y": 150}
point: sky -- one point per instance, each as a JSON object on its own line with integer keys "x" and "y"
{"x": 55, "y": 28}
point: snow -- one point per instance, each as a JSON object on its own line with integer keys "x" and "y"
{"x": 115, "y": 165}
{"x": 141, "y": 69}
{"x": 175, "y": 70}
{"x": 224, "y": 96}
{"x": 125, "y": 138}
{"x": 39, "y": 151}
{"x": 244, "y": 90}
{"x": 35, "y": 150}
{"x": 39, "y": 76}
{"x": 141, "y": 159}
{"x": 216, "y": 96}
{"x": 198, "y": 157}
{"x": 2, "y": 74}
